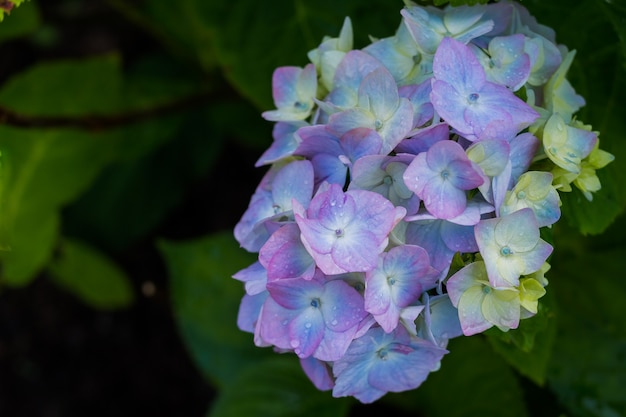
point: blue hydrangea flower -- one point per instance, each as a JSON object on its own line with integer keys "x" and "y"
{"x": 468, "y": 102}
{"x": 347, "y": 231}
{"x": 381, "y": 362}
{"x": 401, "y": 276}
{"x": 510, "y": 246}
{"x": 441, "y": 176}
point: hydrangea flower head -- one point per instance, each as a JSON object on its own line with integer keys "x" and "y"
{"x": 406, "y": 192}
{"x": 467, "y": 101}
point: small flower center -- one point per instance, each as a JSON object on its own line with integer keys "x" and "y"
{"x": 315, "y": 303}
{"x": 486, "y": 289}
{"x": 388, "y": 180}
{"x": 300, "y": 105}
{"x": 277, "y": 208}
{"x": 521, "y": 195}
{"x": 473, "y": 97}
{"x": 391, "y": 280}
{"x": 382, "y": 354}
{"x": 378, "y": 124}
{"x": 445, "y": 174}
{"x": 505, "y": 251}
{"x": 339, "y": 232}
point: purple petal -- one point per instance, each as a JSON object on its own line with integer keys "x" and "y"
{"x": 419, "y": 96}
{"x": 295, "y": 294}
{"x": 284, "y": 256}
{"x": 455, "y": 64}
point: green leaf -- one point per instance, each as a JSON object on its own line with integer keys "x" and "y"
{"x": 249, "y": 49}
{"x": 91, "y": 276}
{"x": 26, "y": 244}
{"x": 588, "y": 371}
{"x": 155, "y": 79}
{"x": 529, "y": 347}
{"x": 11, "y": 4}
{"x": 42, "y": 170}
{"x": 134, "y": 194}
{"x": 24, "y": 22}
{"x": 65, "y": 88}
{"x": 205, "y": 300}
{"x": 194, "y": 36}
{"x": 276, "y": 387}
{"x": 472, "y": 382}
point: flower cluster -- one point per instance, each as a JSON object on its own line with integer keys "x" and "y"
{"x": 407, "y": 185}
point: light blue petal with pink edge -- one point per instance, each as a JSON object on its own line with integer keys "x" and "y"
{"x": 456, "y": 65}
{"x": 523, "y": 149}
{"x": 358, "y": 250}
{"x": 335, "y": 344}
{"x": 457, "y": 237}
{"x": 293, "y": 181}
{"x": 273, "y": 324}
{"x": 397, "y": 127}
{"x": 377, "y": 292}
{"x": 509, "y": 65}
{"x": 249, "y": 310}
{"x": 409, "y": 271}
{"x": 342, "y": 306}
{"x": 306, "y": 331}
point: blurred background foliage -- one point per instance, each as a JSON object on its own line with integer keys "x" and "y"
{"x": 128, "y": 135}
